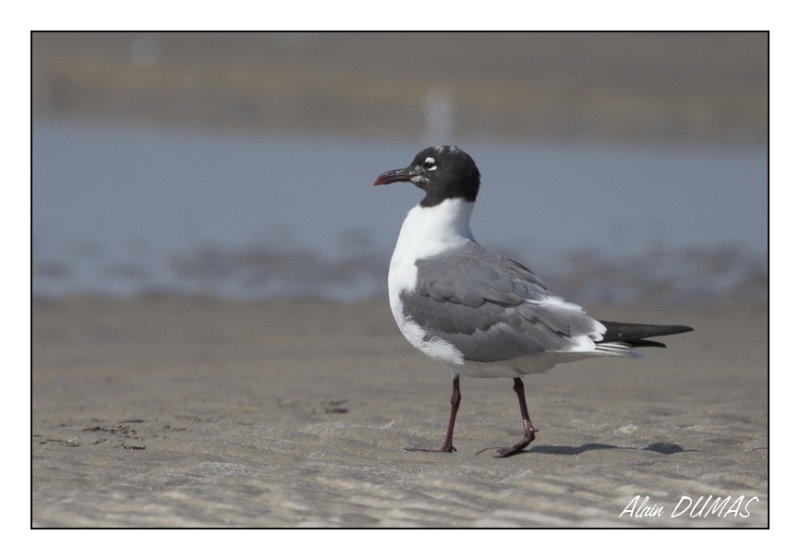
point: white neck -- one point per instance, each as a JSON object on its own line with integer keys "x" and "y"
{"x": 429, "y": 230}
{"x": 426, "y": 231}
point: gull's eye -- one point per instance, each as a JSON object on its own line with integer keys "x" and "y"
{"x": 429, "y": 164}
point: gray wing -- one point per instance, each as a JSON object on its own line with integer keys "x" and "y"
{"x": 492, "y": 308}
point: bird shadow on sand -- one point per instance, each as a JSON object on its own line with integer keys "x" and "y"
{"x": 663, "y": 447}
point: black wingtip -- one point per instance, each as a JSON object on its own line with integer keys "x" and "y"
{"x": 636, "y": 334}
{"x": 645, "y": 342}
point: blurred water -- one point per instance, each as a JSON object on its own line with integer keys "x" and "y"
{"x": 123, "y": 210}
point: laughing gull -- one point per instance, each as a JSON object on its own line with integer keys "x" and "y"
{"x": 479, "y": 313}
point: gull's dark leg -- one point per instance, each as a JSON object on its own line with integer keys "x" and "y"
{"x": 455, "y": 400}
{"x": 529, "y": 436}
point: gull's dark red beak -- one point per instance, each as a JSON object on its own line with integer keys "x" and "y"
{"x": 394, "y": 176}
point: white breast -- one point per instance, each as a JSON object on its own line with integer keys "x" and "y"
{"x": 426, "y": 231}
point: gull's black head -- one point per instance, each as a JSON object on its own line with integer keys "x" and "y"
{"x": 442, "y": 172}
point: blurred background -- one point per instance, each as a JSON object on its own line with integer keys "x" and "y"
{"x": 618, "y": 166}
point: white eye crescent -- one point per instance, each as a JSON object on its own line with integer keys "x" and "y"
{"x": 430, "y": 164}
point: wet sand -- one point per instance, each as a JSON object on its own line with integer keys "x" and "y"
{"x": 171, "y": 412}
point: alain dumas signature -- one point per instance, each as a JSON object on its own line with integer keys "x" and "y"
{"x": 692, "y": 507}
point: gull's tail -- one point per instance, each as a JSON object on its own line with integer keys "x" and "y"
{"x": 637, "y": 334}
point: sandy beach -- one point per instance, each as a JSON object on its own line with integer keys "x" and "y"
{"x": 176, "y": 412}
